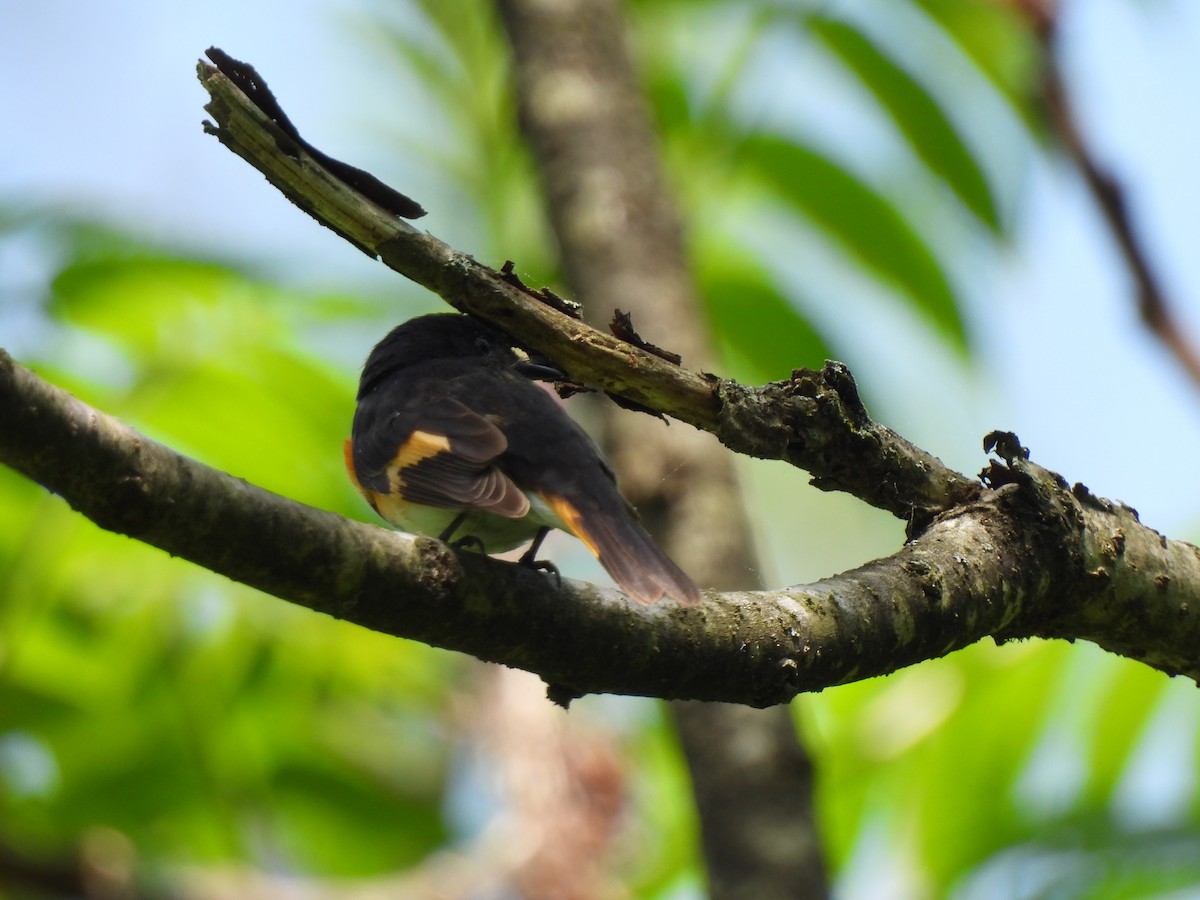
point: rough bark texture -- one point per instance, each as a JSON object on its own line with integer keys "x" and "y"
{"x": 621, "y": 241}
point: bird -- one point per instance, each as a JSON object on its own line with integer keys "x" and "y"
{"x": 452, "y": 438}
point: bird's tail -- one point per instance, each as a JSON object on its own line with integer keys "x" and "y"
{"x": 612, "y": 532}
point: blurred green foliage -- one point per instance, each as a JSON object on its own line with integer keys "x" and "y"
{"x": 209, "y": 723}
{"x": 141, "y": 693}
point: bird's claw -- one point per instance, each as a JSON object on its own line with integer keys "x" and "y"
{"x": 469, "y": 542}
{"x": 540, "y": 565}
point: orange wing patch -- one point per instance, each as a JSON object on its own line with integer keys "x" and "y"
{"x": 420, "y": 445}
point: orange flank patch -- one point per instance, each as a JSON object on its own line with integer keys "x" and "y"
{"x": 572, "y": 518}
{"x": 392, "y": 507}
{"x": 348, "y": 456}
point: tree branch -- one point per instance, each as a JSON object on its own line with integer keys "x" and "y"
{"x": 813, "y": 420}
{"x": 1031, "y": 558}
{"x": 1028, "y": 558}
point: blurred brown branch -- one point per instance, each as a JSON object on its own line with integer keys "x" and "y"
{"x": 620, "y": 238}
{"x": 1154, "y": 306}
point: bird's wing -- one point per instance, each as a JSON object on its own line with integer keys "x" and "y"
{"x": 439, "y": 453}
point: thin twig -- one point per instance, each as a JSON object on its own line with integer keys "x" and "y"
{"x": 813, "y": 420}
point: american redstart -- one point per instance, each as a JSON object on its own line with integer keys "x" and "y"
{"x": 451, "y": 437}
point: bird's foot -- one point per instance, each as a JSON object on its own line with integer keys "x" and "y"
{"x": 530, "y": 560}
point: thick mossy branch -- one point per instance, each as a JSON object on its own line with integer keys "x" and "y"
{"x": 1031, "y": 558}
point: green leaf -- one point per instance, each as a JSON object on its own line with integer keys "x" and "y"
{"x": 161, "y": 309}
{"x": 766, "y": 336}
{"x": 920, "y": 119}
{"x": 1128, "y": 704}
{"x": 998, "y": 40}
{"x": 865, "y": 223}
{"x": 335, "y": 821}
